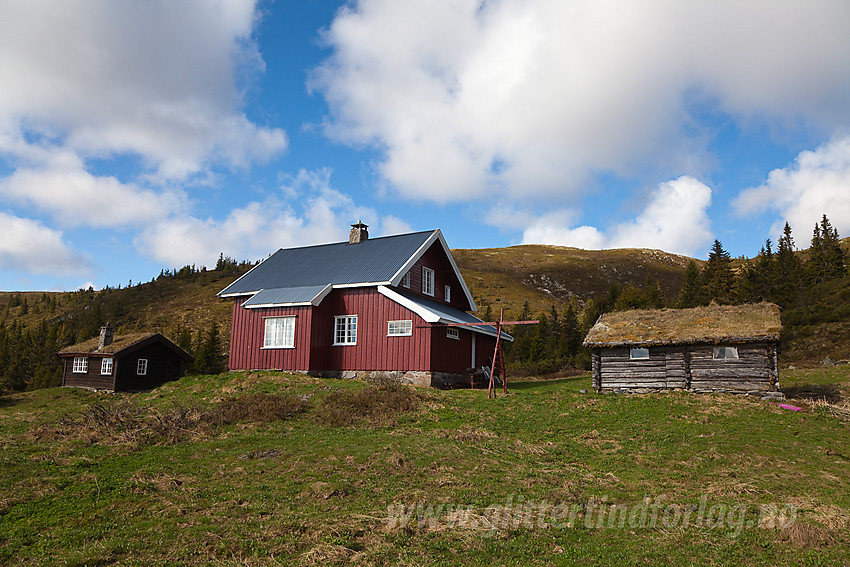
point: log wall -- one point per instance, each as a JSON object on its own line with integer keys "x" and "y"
{"x": 688, "y": 367}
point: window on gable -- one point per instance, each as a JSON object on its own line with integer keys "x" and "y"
{"x": 639, "y": 354}
{"x": 427, "y": 281}
{"x": 448, "y": 293}
{"x": 453, "y": 333}
{"x": 142, "y": 367}
{"x": 725, "y": 353}
{"x": 345, "y": 330}
{"x": 279, "y": 332}
{"x": 81, "y": 364}
{"x": 400, "y": 328}
{"x": 106, "y": 366}
{"x": 405, "y": 280}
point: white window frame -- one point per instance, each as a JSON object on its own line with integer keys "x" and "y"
{"x": 427, "y": 281}
{"x": 142, "y": 367}
{"x": 106, "y": 366}
{"x": 345, "y": 328}
{"x": 405, "y": 280}
{"x": 448, "y": 293}
{"x": 279, "y": 332}
{"x": 724, "y": 352}
{"x": 400, "y": 328}
{"x": 452, "y": 333}
{"x": 81, "y": 365}
{"x": 639, "y": 353}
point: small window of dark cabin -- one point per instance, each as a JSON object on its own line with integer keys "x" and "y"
{"x": 639, "y": 354}
{"x": 725, "y": 353}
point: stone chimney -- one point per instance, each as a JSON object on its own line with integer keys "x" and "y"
{"x": 106, "y": 334}
{"x": 359, "y": 233}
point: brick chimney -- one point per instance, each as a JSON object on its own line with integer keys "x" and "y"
{"x": 359, "y": 233}
{"x": 106, "y": 334}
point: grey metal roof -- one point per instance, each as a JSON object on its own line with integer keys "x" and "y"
{"x": 372, "y": 261}
{"x": 285, "y": 296}
{"x": 446, "y": 313}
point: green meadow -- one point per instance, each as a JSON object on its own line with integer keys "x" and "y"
{"x": 280, "y": 469}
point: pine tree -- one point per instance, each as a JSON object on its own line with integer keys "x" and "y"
{"x": 826, "y": 258}
{"x": 690, "y": 292}
{"x": 788, "y": 290}
{"x": 717, "y": 276}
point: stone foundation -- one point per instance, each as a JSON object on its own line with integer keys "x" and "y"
{"x": 440, "y": 380}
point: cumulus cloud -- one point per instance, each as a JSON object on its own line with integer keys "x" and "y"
{"x": 817, "y": 183}
{"x": 59, "y": 184}
{"x": 29, "y": 246}
{"x": 153, "y": 79}
{"x": 674, "y": 220}
{"x": 308, "y": 211}
{"x": 524, "y": 98}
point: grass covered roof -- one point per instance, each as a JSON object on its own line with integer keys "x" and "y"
{"x": 710, "y": 324}
{"x": 119, "y": 343}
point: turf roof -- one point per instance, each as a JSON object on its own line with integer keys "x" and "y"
{"x": 709, "y": 324}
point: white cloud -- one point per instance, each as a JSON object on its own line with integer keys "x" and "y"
{"x": 531, "y": 97}
{"x": 312, "y": 212}
{"x": 61, "y": 186}
{"x": 817, "y": 183}
{"x": 29, "y": 246}
{"x": 153, "y": 79}
{"x": 674, "y": 220}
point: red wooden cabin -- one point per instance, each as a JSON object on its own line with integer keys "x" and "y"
{"x": 366, "y": 307}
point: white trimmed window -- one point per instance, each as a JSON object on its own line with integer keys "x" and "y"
{"x": 106, "y": 366}
{"x": 405, "y": 280}
{"x": 725, "y": 353}
{"x": 453, "y": 333}
{"x": 142, "y": 367}
{"x": 448, "y": 293}
{"x": 427, "y": 281}
{"x": 345, "y": 330}
{"x": 81, "y": 364}
{"x": 279, "y": 332}
{"x": 400, "y": 328}
{"x": 639, "y": 354}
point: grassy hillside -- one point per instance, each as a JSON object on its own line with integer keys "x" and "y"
{"x": 550, "y": 275}
{"x": 332, "y": 472}
{"x": 543, "y": 276}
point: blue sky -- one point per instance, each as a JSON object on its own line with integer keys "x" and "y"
{"x": 136, "y": 136}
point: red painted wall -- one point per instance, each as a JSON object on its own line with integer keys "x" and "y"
{"x": 427, "y": 348}
{"x": 246, "y": 339}
{"x": 435, "y": 258}
{"x": 374, "y": 349}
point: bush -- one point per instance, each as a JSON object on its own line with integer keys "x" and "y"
{"x": 258, "y": 408}
{"x": 379, "y": 402}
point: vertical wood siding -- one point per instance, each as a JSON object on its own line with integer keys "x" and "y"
{"x": 444, "y": 275}
{"x": 92, "y": 378}
{"x": 247, "y": 335}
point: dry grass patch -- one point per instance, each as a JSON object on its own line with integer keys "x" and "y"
{"x": 377, "y": 403}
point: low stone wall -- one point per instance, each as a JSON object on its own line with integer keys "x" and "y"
{"x": 440, "y": 380}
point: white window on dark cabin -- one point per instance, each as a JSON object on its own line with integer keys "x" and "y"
{"x": 639, "y": 354}
{"x": 453, "y": 333}
{"x": 725, "y": 353}
{"x": 427, "y": 281}
{"x": 405, "y": 280}
{"x": 279, "y": 332}
{"x": 106, "y": 366}
{"x": 142, "y": 367}
{"x": 81, "y": 365}
{"x": 345, "y": 330}
{"x": 448, "y": 294}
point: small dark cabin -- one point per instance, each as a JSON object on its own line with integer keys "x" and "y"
{"x": 715, "y": 348}
{"x": 138, "y": 361}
